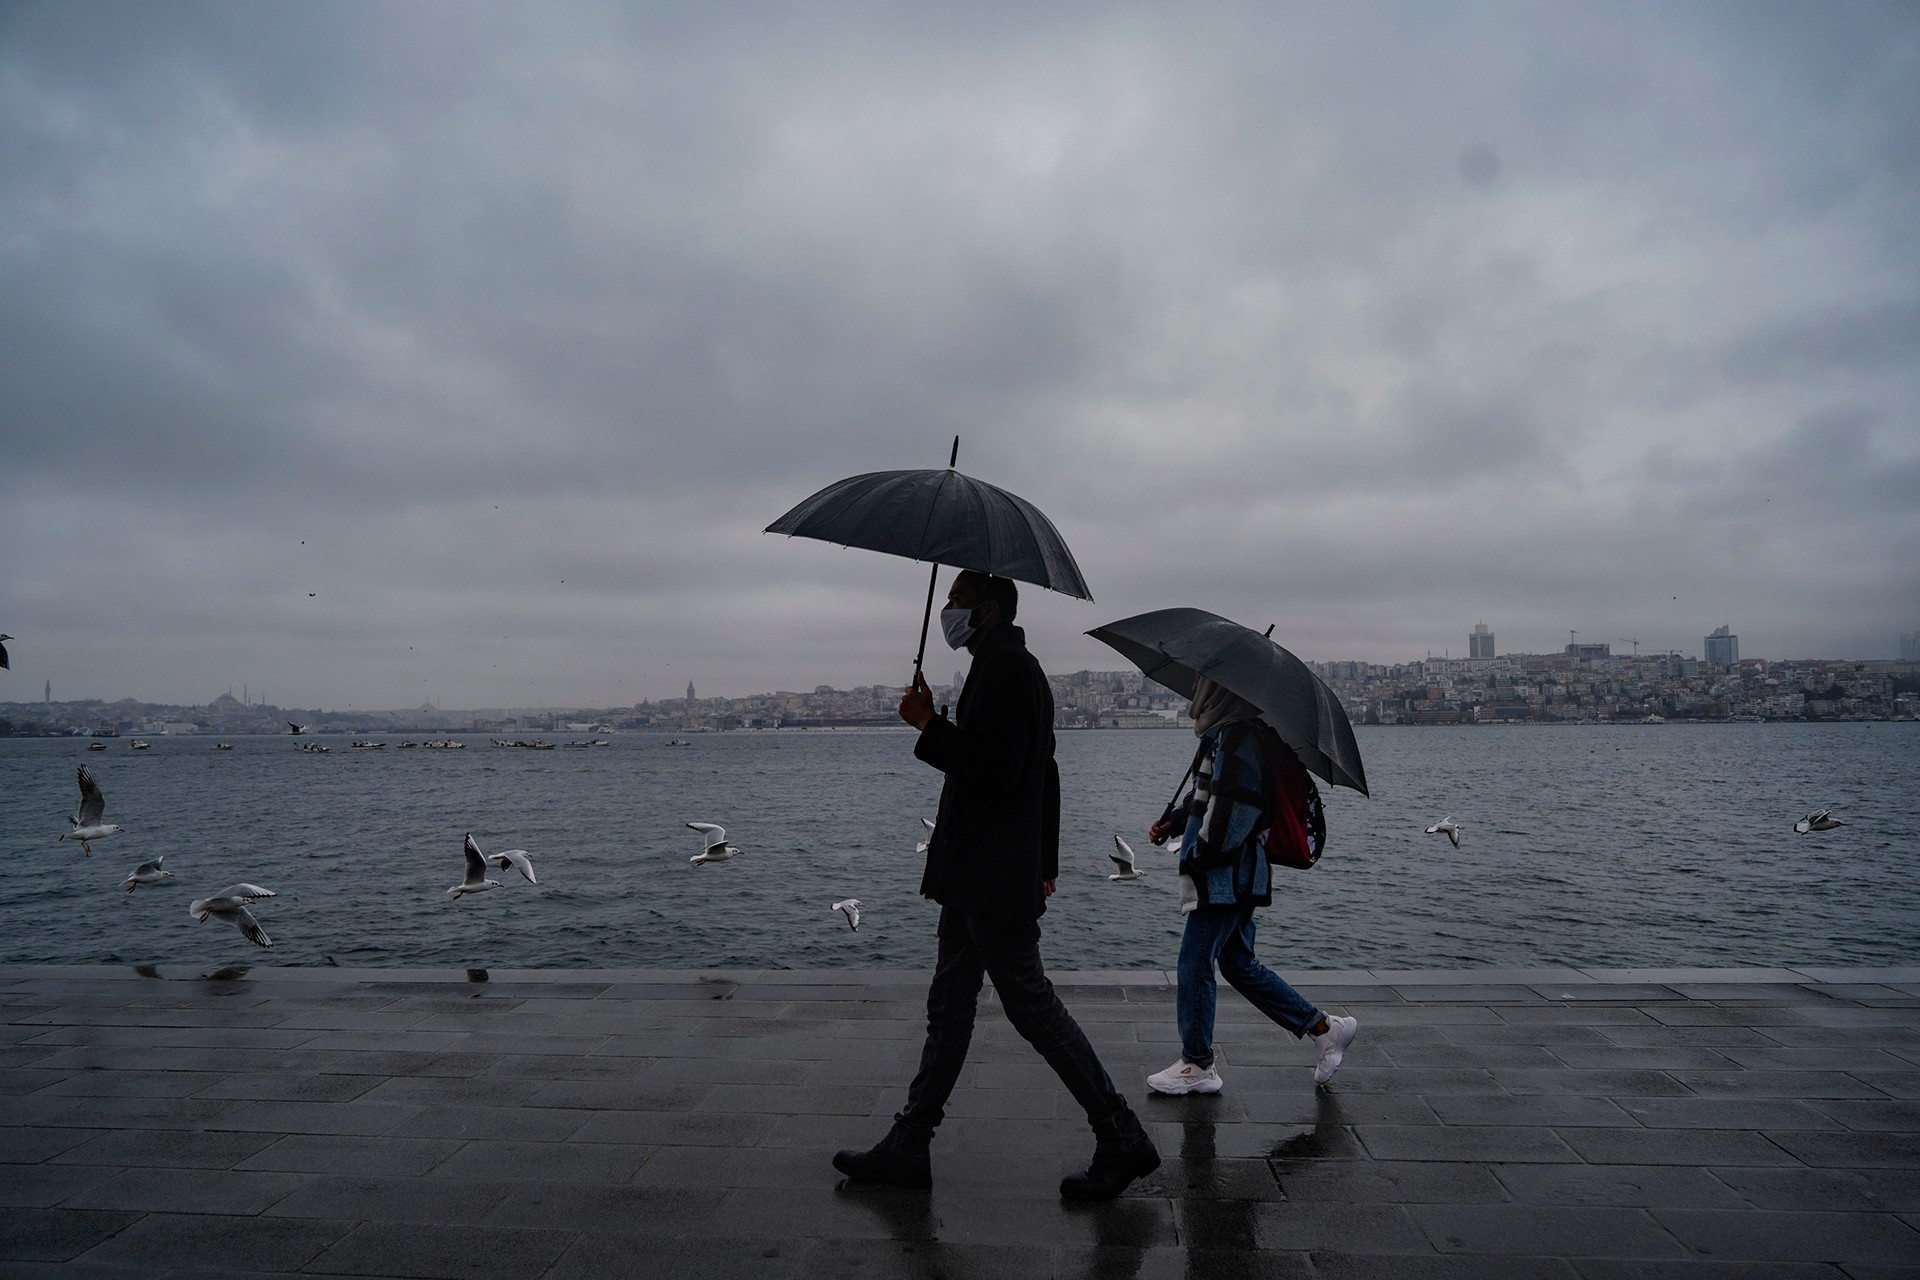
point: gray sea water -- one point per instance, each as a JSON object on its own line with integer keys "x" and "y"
{"x": 1627, "y": 845}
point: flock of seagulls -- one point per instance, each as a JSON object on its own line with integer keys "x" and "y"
{"x": 88, "y": 824}
{"x": 230, "y": 904}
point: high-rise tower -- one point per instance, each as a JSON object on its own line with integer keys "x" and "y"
{"x": 1480, "y": 642}
{"x": 1723, "y": 647}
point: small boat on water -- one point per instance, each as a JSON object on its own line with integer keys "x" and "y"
{"x": 96, "y": 746}
{"x": 314, "y": 748}
{"x": 445, "y": 744}
{"x": 405, "y": 743}
{"x": 362, "y": 746}
{"x": 138, "y": 744}
{"x": 597, "y": 742}
{"x": 223, "y": 746}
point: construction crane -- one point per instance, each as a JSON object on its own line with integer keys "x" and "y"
{"x": 1634, "y": 643}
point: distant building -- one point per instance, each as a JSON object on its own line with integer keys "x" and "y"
{"x": 1589, "y": 651}
{"x": 690, "y": 691}
{"x": 1480, "y": 642}
{"x": 1723, "y": 647}
{"x": 1910, "y": 646}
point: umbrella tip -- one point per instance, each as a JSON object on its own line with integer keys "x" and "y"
{"x": 954, "y": 457}
{"x": 1268, "y": 633}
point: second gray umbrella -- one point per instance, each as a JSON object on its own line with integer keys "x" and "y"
{"x": 1173, "y": 646}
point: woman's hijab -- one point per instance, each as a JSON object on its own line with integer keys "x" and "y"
{"x": 1214, "y": 705}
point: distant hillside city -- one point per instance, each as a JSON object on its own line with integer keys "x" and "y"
{"x": 1583, "y": 683}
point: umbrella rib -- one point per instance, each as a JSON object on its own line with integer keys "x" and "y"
{"x": 932, "y": 507}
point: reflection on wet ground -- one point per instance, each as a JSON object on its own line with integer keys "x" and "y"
{"x": 590, "y": 1123}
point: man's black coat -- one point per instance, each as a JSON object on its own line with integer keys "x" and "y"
{"x": 997, "y": 835}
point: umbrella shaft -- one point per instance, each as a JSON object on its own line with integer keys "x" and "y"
{"x": 933, "y": 578}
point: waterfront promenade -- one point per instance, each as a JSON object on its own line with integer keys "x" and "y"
{"x": 624, "y": 1123}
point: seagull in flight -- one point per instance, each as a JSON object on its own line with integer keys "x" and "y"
{"x": 922, "y": 846}
{"x": 295, "y": 729}
{"x": 3, "y": 652}
{"x": 1122, "y": 856}
{"x": 476, "y": 881}
{"x": 1446, "y": 827}
{"x": 850, "y": 908}
{"x": 1821, "y": 820}
{"x": 717, "y": 849}
{"x": 148, "y": 873}
{"x": 87, "y": 826}
{"x": 514, "y": 859}
{"x": 230, "y": 905}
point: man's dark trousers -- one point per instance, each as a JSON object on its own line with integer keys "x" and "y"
{"x": 975, "y": 946}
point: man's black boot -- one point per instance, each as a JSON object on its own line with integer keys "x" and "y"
{"x": 1112, "y": 1170}
{"x": 892, "y": 1162}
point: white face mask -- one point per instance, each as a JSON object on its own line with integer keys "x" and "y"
{"x": 957, "y": 626}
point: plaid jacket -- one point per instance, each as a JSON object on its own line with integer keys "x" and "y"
{"x": 1225, "y": 810}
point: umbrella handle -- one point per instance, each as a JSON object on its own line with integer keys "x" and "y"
{"x": 1166, "y": 815}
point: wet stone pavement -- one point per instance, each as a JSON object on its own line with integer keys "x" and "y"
{"x": 1546, "y": 1123}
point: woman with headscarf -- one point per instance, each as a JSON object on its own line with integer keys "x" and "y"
{"x": 1224, "y": 875}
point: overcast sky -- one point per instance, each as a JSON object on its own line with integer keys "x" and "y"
{"x": 366, "y": 354}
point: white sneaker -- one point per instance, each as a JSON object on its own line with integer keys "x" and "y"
{"x": 1184, "y": 1077}
{"x": 1333, "y": 1044}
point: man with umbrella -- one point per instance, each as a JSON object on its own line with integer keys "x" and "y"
{"x": 991, "y": 864}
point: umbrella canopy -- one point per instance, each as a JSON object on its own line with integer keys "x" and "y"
{"x": 1174, "y": 646}
{"x": 942, "y": 517}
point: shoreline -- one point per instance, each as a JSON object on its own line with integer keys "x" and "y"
{"x": 1795, "y": 975}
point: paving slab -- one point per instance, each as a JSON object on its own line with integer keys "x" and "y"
{"x": 1560, "y": 1123}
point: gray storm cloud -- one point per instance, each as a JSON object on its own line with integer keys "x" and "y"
{"x": 504, "y": 331}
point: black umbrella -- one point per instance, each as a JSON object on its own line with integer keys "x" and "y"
{"x": 942, "y": 517}
{"x": 1174, "y": 646}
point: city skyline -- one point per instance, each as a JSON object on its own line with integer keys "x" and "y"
{"x": 1909, "y": 644}
{"x": 370, "y": 358}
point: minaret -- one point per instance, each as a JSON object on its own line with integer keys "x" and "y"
{"x": 49, "y": 693}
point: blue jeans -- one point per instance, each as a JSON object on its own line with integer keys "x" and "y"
{"x": 1223, "y": 935}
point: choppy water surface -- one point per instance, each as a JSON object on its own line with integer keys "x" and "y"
{"x": 1630, "y": 845}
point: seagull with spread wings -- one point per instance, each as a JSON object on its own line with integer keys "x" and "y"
{"x": 1123, "y": 858}
{"x": 514, "y": 859}
{"x": 230, "y": 905}
{"x": 717, "y": 849}
{"x": 87, "y": 826}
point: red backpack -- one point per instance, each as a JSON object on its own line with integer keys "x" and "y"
{"x": 1297, "y": 834}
